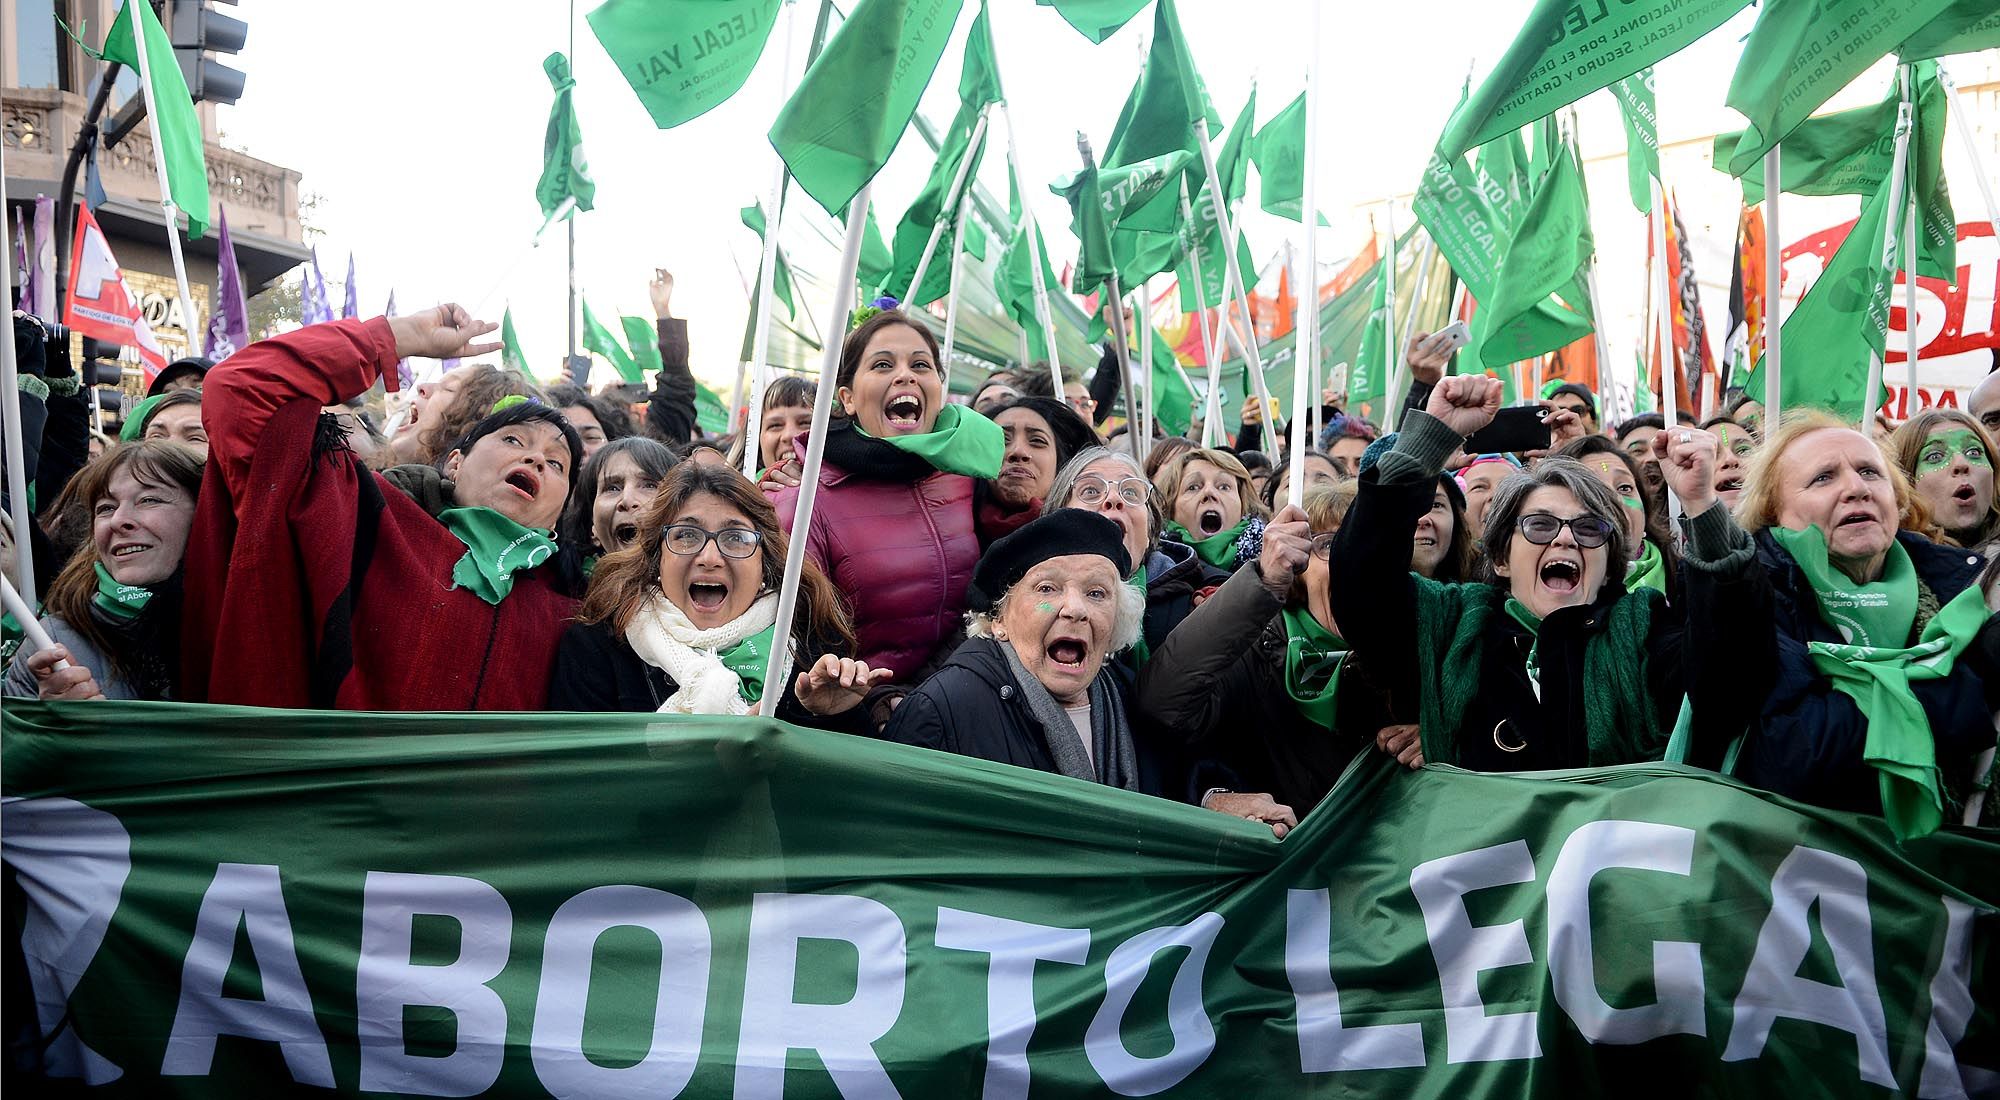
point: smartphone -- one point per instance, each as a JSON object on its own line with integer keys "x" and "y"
{"x": 1454, "y": 336}
{"x": 579, "y": 370}
{"x": 1514, "y": 428}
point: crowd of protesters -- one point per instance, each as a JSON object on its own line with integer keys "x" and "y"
{"x": 1803, "y": 605}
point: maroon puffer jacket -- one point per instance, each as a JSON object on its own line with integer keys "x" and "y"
{"x": 900, "y": 549}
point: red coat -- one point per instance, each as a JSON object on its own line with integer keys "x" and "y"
{"x": 313, "y": 582}
{"x": 900, "y": 551}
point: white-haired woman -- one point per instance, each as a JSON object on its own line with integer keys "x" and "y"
{"x": 1033, "y": 685}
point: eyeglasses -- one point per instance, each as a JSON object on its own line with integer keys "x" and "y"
{"x": 1092, "y": 490}
{"x": 1322, "y": 545}
{"x": 688, "y": 540}
{"x": 1541, "y": 528}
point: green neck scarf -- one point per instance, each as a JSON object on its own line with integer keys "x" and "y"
{"x": 748, "y": 659}
{"x": 961, "y": 442}
{"x": 1313, "y": 655}
{"x": 1622, "y": 724}
{"x": 1218, "y": 549}
{"x": 1532, "y": 623}
{"x": 495, "y": 549}
{"x": 122, "y": 602}
{"x": 1648, "y": 570}
{"x": 1900, "y": 745}
{"x": 1141, "y": 652}
{"x": 1879, "y": 613}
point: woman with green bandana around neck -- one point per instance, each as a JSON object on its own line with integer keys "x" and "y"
{"x": 682, "y": 619}
{"x": 1556, "y": 663}
{"x": 114, "y": 610}
{"x": 1881, "y": 682}
{"x": 1948, "y": 457}
{"x": 1652, "y": 560}
{"x": 1212, "y": 506}
{"x": 893, "y": 523}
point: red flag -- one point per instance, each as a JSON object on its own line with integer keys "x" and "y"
{"x": 100, "y": 304}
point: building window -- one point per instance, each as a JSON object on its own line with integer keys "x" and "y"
{"x": 41, "y": 54}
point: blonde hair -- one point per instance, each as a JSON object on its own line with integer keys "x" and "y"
{"x": 1764, "y": 492}
{"x": 1168, "y": 480}
{"x": 1907, "y": 444}
{"x": 1326, "y": 505}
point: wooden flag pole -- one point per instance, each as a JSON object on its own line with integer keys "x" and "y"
{"x": 10, "y": 422}
{"x": 767, "y": 281}
{"x": 1898, "y": 173}
{"x": 1305, "y": 326}
{"x": 1233, "y": 287}
{"x": 191, "y": 323}
{"x": 1774, "y": 275}
{"x": 950, "y": 203}
{"x": 779, "y": 665}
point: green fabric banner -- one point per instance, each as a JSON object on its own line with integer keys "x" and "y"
{"x": 683, "y": 57}
{"x": 220, "y": 901}
{"x": 1965, "y": 27}
{"x": 599, "y": 340}
{"x": 1096, "y": 20}
{"x": 642, "y": 335}
{"x": 1547, "y": 254}
{"x": 175, "y": 125}
{"x": 1232, "y": 157}
{"x": 1642, "y": 136}
{"x": 1279, "y": 150}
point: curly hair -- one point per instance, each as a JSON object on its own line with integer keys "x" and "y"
{"x": 484, "y": 386}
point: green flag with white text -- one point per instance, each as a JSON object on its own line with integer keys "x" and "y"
{"x": 599, "y": 340}
{"x": 847, "y": 114}
{"x": 1158, "y": 119}
{"x": 683, "y": 57}
{"x": 1096, "y": 20}
{"x": 226, "y": 902}
{"x": 565, "y": 172}
{"x": 1642, "y": 136}
{"x": 1545, "y": 257}
{"x": 1965, "y": 27}
{"x": 174, "y": 123}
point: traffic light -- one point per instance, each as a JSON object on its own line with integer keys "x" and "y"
{"x": 100, "y": 362}
{"x": 198, "y": 30}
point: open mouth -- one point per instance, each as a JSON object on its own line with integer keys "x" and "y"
{"x": 1729, "y": 485}
{"x": 1067, "y": 652}
{"x": 1561, "y": 576}
{"x": 525, "y": 483}
{"x": 707, "y": 595}
{"x": 1210, "y": 522}
{"x": 624, "y": 533}
{"x": 904, "y": 412}
{"x": 1964, "y": 494}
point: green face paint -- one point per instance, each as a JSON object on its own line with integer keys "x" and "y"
{"x": 1046, "y": 607}
{"x": 1942, "y": 447}
{"x": 1633, "y": 503}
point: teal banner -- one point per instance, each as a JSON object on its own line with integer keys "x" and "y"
{"x": 216, "y": 902}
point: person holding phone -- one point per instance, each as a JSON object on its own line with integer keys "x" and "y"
{"x": 1554, "y": 663}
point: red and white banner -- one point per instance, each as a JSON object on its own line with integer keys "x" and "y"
{"x": 100, "y": 304}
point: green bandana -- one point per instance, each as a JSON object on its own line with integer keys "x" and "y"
{"x": 1141, "y": 652}
{"x": 1519, "y": 612}
{"x": 1876, "y": 614}
{"x": 1648, "y": 570}
{"x": 1313, "y": 655}
{"x": 496, "y": 548}
{"x": 1218, "y": 549}
{"x": 748, "y": 659}
{"x": 122, "y": 602}
{"x": 135, "y": 421}
{"x": 1876, "y": 670}
{"x": 961, "y": 442}
{"x": 1939, "y": 450}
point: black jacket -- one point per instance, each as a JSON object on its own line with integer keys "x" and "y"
{"x": 1174, "y": 573}
{"x": 1809, "y": 742}
{"x": 596, "y": 669}
{"x": 670, "y": 409}
{"x": 1218, "y": 685}
{"x": 972, "y": 706}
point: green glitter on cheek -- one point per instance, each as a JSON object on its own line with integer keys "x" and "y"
{"x": 1633, "y": 503}
{"x": 1047, "y": 607}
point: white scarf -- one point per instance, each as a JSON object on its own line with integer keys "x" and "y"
{"x": 663, "y": 637}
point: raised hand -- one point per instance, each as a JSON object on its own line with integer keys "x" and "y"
{"x": 1465, "y": 402}
{"x": 1253, "y": 410}
{"x": 1687, "y": 460}
{"x": 834, "y": 685}
{"x": 441, "y": 332}
{"x": 1287, "y": 547}
{"x": 1426, "y": 357}
{"x": 661, "y": 289}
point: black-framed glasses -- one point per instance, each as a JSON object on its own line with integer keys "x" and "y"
{"x": 1322, "y": 545}
{"x": 1541, "y": 528}
{"x": 1093, "y": 490}
{"x": 687, "y": 540}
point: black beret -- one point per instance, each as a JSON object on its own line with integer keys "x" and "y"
{"x": 1060, "y": 533}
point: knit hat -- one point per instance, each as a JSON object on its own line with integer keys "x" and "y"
{"x": 1380, "y": 447}
{"x": 1057, "y": 534}
{"x": 1575, "y": 389}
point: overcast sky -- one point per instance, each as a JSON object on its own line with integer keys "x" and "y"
{"x": 420, "y": 125}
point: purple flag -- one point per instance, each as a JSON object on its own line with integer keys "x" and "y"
{"x": 229, "y": 320}
{"x": 21, "y": 263}
{"x": 44, "y": 258}
{"x": 351, "y": 307}
{"x": 313, "y": 305}
{"x": 404, "y": 378}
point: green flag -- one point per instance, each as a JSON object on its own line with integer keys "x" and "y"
{"x": 1567, "y": 50}
{"x": 1204, "y": 245}
{"x": 1851, "y": 153}
{"x": 1368, "y": 377}
{"x": 876, "y": 260}
{"x": 1966, "y": 26}
{"x": 1642, "y": 136}
{"x": 979, "y": 74}
{"x": 1796, "y": 57}
{"x": 1158, "y": 117}
{"x": 1097, "y": 20}
{"x": 1171, "y": 400}
{"x": 711, "y": 415}
{"x": 642, "y": 337}
{"x": 683, "y": 57}
{"x": 1014, "y": 275}
{"x": 978, "y": 86}
{"x": 1109, "y": 210}
{"x": 1842, "y": 321}
{"x": 1546, "y": 255}
{"x": 511, "y": 356}
{"x": 599, "y": 340}
{"x": 781, "y": 279}
{"x": 1280, "y": 150}
{"x": 1232, "y": 157}
{"x": 565, "y": 172}
{"x": 175, "y": 125}
{"x": 850, "y": 110}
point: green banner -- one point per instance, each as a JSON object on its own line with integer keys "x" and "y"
{"x": 683, "y": 57}
{"x": 222, "y": 901}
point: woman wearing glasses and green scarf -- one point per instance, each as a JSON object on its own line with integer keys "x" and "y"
{"x": 1555, "y": 663}
{"x": 682, "y": 620}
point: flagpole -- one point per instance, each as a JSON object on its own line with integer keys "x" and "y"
{"x": 1391, "y": 354}
{"x": 1663, "y": 313}
{"x": 1117, "y": 296}
{"x": 167, "y": 208}
{"x": 950, "y": 203}
{"x": 1212, "y": 405}
{"x": 1401, "y": 377}
{"x": 1964, "y": 129}
{"x": 1774, "y": 294}
{"x": 778, "y": 667}
{"x": 1144, "y": 316}
{"x": 1043, "y": 316}
{"x": 1886, "y": 254}
{"x": 1907, "y": 76}
{"x": 1305, "y": 326}
{"x": 1233, "y": 276}
{"x": 1599, "y": 343}
{"x": 951, "y": 308}
{"x": 10, "y": 421}
{"x": 767, "y": 277}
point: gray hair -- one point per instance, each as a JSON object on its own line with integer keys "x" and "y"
{"x": 1561, "y": 473}
{"x": 1064, "y": 487}
{"x": 1124, "y": 629}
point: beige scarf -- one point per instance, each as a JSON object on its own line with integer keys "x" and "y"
{"x": 663, "y": 637}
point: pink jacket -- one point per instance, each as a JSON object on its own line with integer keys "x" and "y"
{"x": 900, "y": 552}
